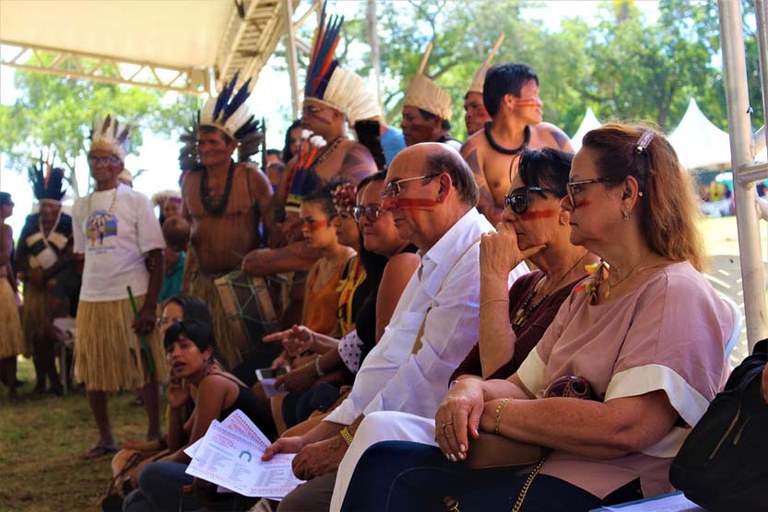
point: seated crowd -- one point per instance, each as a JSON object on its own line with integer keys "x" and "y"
{"x": 410, "y": 328}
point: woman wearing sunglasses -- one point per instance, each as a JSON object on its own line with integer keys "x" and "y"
{"x": 646, "y": 331}
{"x": 389, "y": 262}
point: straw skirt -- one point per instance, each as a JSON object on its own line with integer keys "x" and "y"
{"x": 108, "y": 352}
{"x": 34, "y": 314}
{"x": 11, "y": 335}
{"x": 204, "y": 289}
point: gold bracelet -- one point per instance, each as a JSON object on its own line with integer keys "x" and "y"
{"x": 492, "y": 300}
{"x": 499, "y": 412}
{"x": 346, "y": 435}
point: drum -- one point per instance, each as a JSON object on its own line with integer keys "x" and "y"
{"x": 249, "y": 305}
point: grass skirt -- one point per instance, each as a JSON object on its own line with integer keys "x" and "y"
{"x": 11, "y": 335}
{"x": 108, "y": 352}
{"x": 34, "y": 314}
{"x": 204, "y": 289}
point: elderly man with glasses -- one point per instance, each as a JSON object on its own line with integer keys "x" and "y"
{"x": 116, "y": 233}
{"x": 432, "y": 196}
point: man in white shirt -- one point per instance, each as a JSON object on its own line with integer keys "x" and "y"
{"x": 117, "y": 234}
{"x": 432, "y": 195}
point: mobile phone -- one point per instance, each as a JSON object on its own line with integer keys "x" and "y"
{"x": 271, "y": 373}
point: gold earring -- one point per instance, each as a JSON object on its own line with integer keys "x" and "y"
{"x": 625, "y": 213}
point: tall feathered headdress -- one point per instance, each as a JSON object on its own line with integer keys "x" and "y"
{"x": 47, "y": 182}
{"x": 329, "y": 83}
{"x": 479, "y": 80}
{"x": 229, "y": 113}
{"x": 108, "y": 135}
{"x": 426, "y": 95}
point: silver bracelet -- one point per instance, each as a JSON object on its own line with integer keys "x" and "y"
{"x": 320, "y": 373}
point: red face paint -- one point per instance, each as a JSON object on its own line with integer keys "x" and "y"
{"x": 529, "y": 102}
{"x": 538, "y": 214}
{"x": 308, "y": 226}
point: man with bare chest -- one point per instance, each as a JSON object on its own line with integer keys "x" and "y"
{"x": 224, "y": 202}
{"x": 331, "y": 96}
{"x": 511, "y": 97}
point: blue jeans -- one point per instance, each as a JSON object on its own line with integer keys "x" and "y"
{"x": 160, "y": 488}
{"x": 400, "y": 476}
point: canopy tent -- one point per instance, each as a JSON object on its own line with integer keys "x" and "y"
{"x": 590, "y": 122}
{"x": 190, "y": 47}
{"x": 699, "y": 143}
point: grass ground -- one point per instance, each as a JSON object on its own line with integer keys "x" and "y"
{"x": 42, "y": 437}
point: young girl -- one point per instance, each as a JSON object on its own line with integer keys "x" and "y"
{"x": 196, "y": 376}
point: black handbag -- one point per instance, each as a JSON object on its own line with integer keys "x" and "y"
{"x": 723, "y": 464}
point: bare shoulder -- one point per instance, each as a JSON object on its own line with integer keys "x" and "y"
{"x": 256, "y": 175}
{"x": 473, "y": 142}
{"x": 404, "y": 263}
{"x": 358, "y": 162}
{"x": 547, "y": 135}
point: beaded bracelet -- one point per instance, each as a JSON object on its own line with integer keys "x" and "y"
{"x": 499, "y": 412}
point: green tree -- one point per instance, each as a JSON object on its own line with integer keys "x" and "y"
{"x": 56, "y": 113}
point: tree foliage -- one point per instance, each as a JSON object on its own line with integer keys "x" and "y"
{"x": 54, "y": 113}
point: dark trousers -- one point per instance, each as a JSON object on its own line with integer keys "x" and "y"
{"x": 403, "y": 476}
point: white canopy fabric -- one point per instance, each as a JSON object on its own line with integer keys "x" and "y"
{"x": 699, "y": 143}
{"x": 590, "y": 122}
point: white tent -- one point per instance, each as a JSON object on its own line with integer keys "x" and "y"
{"x": 590, "y": 122}
{"x": 699, "y": 143}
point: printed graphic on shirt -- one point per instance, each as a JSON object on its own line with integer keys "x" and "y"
{"x": 100, "y": 227}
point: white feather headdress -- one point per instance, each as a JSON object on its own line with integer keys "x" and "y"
{"x": 108, "y": 135}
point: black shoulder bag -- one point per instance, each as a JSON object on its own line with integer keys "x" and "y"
{"x": 723, "y": 465}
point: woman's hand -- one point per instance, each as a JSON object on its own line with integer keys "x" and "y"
{"x": 458, "y": 418}
{"x": 178, "y": 392}
{"x": 295, "y": 340}
{"x": 281, "y": 361}
{"x": 300, "y": 379}
{"x": 499, "y": 252}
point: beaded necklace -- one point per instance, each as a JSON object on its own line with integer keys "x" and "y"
{"x": 330, "y": 149}
{"x": 205, "y": 192}
{"x": 112, "y": 204}
{"x": 527, "y": 308}
{"x": 501, "y": 149}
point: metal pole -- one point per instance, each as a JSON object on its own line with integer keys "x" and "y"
{"x": 293, "y": 66}
{"x": 761, "y": 14}
{"x": 740, "y": 131}
{"x": 373, "y": 42}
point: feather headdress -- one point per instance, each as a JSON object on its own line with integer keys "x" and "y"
{"x": 479, "y": 80}
{"x": 329, "y": 83}
{"x": 229, "y": 113}
{"x": 426, "y": 95}
{"x": 47, "y": 182}
{"x": 108, "y": 135}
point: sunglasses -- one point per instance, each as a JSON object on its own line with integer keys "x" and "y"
{"x": 370, "y": 212}
{"x": 518, "y": 200}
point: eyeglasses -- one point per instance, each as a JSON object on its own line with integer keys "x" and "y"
{"x": 392, "y": 189}
{"x": 95, "y": 161}
{"x": 575, "y": 187}
{"x": 518, "y": 200}
{"x": 371, "y": 213}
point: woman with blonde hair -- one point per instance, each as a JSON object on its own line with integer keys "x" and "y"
{"x": 644, "y": 335}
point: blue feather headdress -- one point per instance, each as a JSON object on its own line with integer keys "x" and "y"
{"x": 47, "y": 182}
{"x": 321, "y": 61}
{"x": 229, "y": 113}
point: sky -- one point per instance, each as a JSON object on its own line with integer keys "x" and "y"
{"x": 158, "y": 155}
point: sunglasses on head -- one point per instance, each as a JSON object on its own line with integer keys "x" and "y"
{"x": 518, "y": 200}
{"x": 371, "y": 213}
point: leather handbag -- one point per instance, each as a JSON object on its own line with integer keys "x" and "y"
{"x": 496, "y": 451}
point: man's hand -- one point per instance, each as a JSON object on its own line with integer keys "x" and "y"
{"x": 319, "y": 458}
{"x": 37, "y": 278}
{"x": 146, "y": 321}
{"x": 284, "y": 445}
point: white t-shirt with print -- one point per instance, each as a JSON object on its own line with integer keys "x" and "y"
{"x": 114, "y": 229}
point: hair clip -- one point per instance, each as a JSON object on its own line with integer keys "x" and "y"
{"x": 644, "y": 141}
